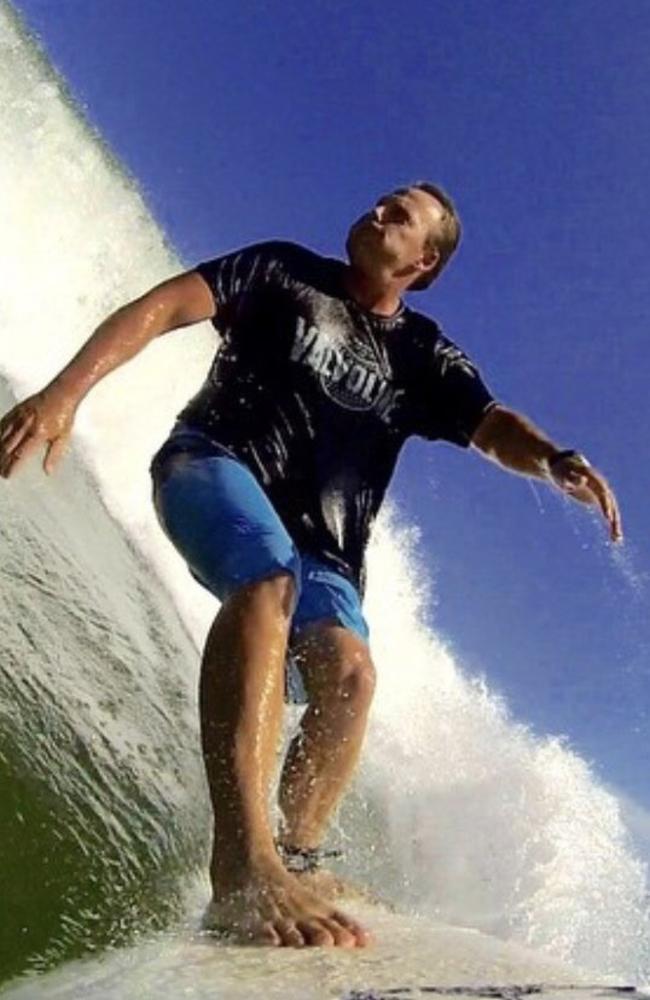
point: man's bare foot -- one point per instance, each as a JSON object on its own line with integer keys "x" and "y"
{"x": 326, "y": 883}
{"x": 269, "y": 905}
{"x": 304, "y": 863}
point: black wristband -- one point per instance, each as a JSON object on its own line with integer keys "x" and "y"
{"x": 561, "y": 455}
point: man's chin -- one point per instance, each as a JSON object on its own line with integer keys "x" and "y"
{"x": 369, "y": 261}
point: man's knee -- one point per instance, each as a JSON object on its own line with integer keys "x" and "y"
{"x": 357, "y": 681}
{"x": 336, "y": 664}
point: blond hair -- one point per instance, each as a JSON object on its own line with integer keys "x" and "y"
{"x": 447, "y": 234}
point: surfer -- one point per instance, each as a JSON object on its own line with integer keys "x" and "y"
{"x": 268, "y": 485}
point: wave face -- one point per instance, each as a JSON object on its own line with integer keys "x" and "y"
{"x": 458, "y": 812}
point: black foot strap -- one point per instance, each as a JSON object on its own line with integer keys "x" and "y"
{"x": 304, "y": 859}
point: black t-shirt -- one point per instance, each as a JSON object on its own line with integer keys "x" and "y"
{"x": 317, "y": 395}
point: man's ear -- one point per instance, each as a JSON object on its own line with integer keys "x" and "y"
{"x": 428, "y": 261}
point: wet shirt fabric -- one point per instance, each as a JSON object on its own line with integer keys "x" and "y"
{"x": 317, "y": 395}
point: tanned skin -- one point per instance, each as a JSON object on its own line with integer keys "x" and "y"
{"x": 241, "y": 684}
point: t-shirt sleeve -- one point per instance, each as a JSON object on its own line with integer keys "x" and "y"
{"x": 237, "y": 273}
{"x": 453, "y": 396}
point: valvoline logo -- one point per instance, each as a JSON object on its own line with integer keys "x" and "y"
{"x": 347, "y": 379}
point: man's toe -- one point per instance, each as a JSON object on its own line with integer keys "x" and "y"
{"x": 343, "y": 938}
{"x": 289, "y": 933}
{"x": 361, "y": 935}
{"x": 316, "y": 934}
{"x": 269, "y": 935}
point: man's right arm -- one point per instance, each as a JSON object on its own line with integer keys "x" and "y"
{"x": 46, "y": 417}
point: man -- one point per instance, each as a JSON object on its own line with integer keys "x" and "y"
{"x": 268, "y": 486}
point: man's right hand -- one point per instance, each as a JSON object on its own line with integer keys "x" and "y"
{"x": 46, "y": 418}
{"x": 42, "y": 419}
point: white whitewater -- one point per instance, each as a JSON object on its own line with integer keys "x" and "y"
{"x": 459, "y": 813}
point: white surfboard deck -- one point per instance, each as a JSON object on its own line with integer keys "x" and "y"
{"x": 412, "y": 958}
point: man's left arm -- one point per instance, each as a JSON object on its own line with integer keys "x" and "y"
{"x": 512, "y": 441}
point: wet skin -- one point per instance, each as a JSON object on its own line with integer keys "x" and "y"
{"x": 241, "y": 705}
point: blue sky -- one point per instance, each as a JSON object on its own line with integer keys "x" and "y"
{"x": 251, "y": 120}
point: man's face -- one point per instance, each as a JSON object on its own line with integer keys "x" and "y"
{"x": 391, "y": 239}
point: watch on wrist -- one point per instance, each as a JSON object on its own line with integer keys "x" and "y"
{"x": 561, "y": 456}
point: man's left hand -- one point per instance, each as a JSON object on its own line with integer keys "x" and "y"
{"x": 575, "y": 477}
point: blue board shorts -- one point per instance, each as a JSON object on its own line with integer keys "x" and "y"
{"x": 220, "y": 520}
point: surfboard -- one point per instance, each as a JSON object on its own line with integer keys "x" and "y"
{"x": 412, "y": 958}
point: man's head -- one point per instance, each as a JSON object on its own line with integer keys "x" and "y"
{"x": 409, "y": 235}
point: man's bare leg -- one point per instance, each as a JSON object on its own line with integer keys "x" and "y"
{"x": 241, "y": 704}
{"x": 339, "y": 679}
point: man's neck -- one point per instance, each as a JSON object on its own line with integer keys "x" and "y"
{"x": 373, "y": 295}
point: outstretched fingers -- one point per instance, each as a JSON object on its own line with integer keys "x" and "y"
{"x": 607, "y": 503}
{"x": 14, "y": 427}
{"x": 23, "y": 430}
{"x": 17, "y": 438}
{"x": 13, "y": 431}
{"x": 586, "y": 485}
{"x": 12, "y": 460}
